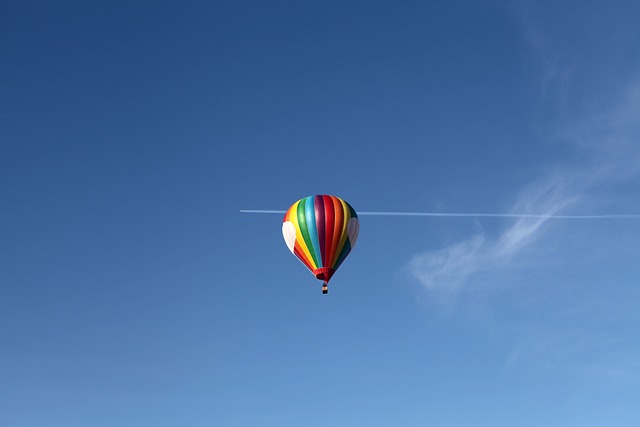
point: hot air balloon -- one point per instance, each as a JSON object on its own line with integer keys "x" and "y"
{"x": 320, "y": 231}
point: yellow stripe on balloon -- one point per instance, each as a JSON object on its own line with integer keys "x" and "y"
{"x": 293, "y": 217}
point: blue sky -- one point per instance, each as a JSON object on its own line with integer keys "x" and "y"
{"x": 133, "y": 292}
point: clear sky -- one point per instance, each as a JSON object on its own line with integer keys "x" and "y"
{"x": 133, "y": 292}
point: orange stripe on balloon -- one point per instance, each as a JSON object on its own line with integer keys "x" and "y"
{"x": 342, "y": 231}
{"x": 338, "y": 225}
{"x": 302, "y": 257}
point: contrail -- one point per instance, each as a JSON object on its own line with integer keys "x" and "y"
{"x": 469, "y": 215}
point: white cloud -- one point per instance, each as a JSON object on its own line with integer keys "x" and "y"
{"x": 605, "y": 137}
{"x": 450, "y": 268}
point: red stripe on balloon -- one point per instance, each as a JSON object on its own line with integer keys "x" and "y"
{"x": 318, "y": 204}
{"x": 329, "y": 220}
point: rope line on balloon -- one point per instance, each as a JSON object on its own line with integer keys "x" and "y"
{"x": 467, "y": 215}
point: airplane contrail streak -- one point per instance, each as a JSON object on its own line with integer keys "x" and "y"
{"x": 468, "y": 215}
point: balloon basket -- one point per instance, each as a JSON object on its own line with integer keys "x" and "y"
{"x": 325, "y": 289}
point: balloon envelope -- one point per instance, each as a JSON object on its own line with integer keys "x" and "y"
{"x": 320, "y": 231}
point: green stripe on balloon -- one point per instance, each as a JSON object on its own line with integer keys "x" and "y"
{"x": 304, "y": 229}
{"x": 343, "y": 253}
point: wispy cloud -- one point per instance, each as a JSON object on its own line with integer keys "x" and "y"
{"x": 604, "y": 136}
{"x": 448, "y": 269}
{"x": 562, "y": 321}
